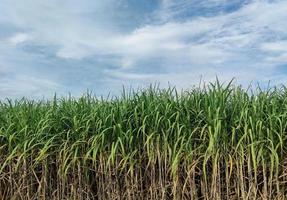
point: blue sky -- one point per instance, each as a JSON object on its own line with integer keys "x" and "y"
{"x": 70, "y": 46}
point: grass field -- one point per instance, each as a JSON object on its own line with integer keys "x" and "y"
{"x": 213, "y": 142}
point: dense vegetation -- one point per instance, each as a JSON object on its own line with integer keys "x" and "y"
{"x": 213, "y": 142}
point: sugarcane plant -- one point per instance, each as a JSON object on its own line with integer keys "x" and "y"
{"x": 214, "y": 141}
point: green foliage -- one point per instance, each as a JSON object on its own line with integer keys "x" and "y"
{"x": 217, "y": 141}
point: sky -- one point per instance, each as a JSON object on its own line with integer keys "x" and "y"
{"x": 71, "y": 46}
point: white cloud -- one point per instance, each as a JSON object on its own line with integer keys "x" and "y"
{"x": 276, "y": 52}
{"x": 29, "y": 86}
{"x": 185, "y": 80}
{"x": 18, "y": 38}
{"x": 280, "y": 59}
{"x": 278, "y": 46}
{"x": 236, "y": 43}
{"x": 212, "y": 40}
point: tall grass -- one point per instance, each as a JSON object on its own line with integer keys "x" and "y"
{"x": 213, "y": 142}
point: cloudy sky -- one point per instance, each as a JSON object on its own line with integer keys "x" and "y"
{"x": 67, "y": 46}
